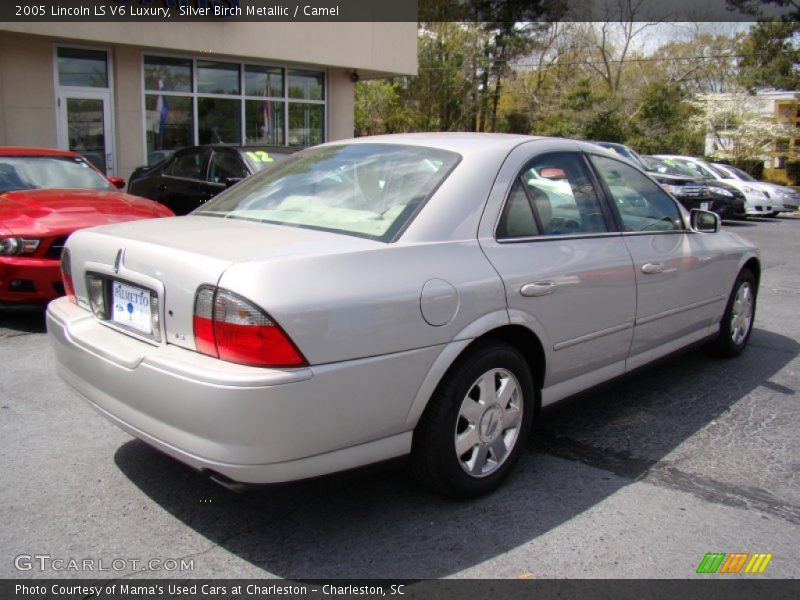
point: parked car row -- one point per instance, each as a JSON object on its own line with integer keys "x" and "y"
{"x": 726, "y": 190}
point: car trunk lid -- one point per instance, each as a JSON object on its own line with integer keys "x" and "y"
{"x": 174, "y": 257}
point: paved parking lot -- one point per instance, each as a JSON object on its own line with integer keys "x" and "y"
{"x": 639, "y": 479}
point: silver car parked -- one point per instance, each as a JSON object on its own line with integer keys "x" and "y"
{"x": 418, "y": 295}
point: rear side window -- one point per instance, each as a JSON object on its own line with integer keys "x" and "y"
{"x": 561, "y": 199}
{"x": 187, "y": 164}
{"x": 517, "y": 219}
{"x": 642, "y": 205}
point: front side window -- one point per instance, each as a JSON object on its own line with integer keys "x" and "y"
{"x": 34, "y": 172}
{"x": 561, "y": 198}
{"x": 640, "y": 202}
{"x": 224, "y": 166}
{"x": 365, "y": 190}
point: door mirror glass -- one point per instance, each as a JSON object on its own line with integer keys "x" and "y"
{"x": 704, "y": 221}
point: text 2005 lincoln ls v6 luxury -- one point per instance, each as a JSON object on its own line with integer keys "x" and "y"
{"x": 418, "y": 294}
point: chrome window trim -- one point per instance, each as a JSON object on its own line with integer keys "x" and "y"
{"x": 556, "y": 237}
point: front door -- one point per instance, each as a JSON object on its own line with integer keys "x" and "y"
{"x": 679, "y": 274}
{"x": 85, "y": 127}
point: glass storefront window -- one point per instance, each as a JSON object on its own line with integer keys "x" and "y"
{"x": 219, "y": 121}
{"x": 263, "y": 81}
{"x": 306, "y": 124}
{"x": 306, "y": 85}
{"x": 167, "y": 74}
{"x": 169, "y": 122}
{"x": 181, "y": 112}
{"x": 217, "y": 78}
{"x": 82, "y": 68}
{"x": 264, "y": 122}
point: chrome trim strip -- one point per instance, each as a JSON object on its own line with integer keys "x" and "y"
{"x": 675, "y": 311}
{"x": 592, "y": 336}
{"x": 553, "y": 237}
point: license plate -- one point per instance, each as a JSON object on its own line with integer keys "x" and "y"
{"x": 130, "y": 306}
{"x": 705, "y": 205}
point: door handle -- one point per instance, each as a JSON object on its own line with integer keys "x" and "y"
{"x": 538, "y": 288}
{"x": 652, "y": 268}
{"x": 162, "y": 187}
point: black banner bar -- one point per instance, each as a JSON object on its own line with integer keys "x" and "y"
{"x": 392, "y": 10}
{"x": 713, "y": 588}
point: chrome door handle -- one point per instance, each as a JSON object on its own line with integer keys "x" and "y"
{"x": 538, "y": 288}
{"x": 652, "y": 268}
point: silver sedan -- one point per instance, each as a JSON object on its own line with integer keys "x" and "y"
{"x": 421, "y": 295}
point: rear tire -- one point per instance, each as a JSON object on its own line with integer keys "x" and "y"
{"x": 737, "y": 322}
{"x": 476, "y": 424}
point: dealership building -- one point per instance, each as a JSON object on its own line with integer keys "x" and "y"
{"x": 124, "y": 93}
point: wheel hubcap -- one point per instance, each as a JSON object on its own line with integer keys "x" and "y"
{"x": 742, "y": 313}
{"x": 488, "y": 423}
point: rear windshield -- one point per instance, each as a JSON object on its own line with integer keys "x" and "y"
{"x": 366, "y": 190}
{"x": 34, "y": 172}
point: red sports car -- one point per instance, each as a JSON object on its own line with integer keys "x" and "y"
{"x": 45, "y": 195}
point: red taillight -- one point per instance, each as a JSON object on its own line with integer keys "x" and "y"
{"x": 66, "y": 275}
{"x": 231, "y": 328}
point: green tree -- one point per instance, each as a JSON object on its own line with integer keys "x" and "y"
{"x": 661, "y": 123}
{"x": 770, "y": 56}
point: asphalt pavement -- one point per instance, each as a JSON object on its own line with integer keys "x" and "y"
{"x": 639, "y": 479}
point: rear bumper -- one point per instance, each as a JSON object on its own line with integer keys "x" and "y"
{"x": 251, "y": 425}
{"x": 29, "y": 282}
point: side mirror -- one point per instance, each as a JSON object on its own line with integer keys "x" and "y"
{"x": 704, "y": 221}
{"x": 231, "y": 181}
{"x": 117, "y": 182}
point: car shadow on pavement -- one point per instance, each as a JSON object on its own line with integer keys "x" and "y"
{"x": 382, "y": 525}
{"x": 20, "y": 323}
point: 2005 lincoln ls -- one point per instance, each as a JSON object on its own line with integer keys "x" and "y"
{"x": 416, "y": 294}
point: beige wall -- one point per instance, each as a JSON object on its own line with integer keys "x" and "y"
{"x": 27, "y": 97}
{"x": 341, "y": 105}
{"x": 374, "y": 48}
{"x": 128, "y": 117}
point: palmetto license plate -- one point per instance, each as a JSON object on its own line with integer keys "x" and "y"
{"x": 130, "y": 306}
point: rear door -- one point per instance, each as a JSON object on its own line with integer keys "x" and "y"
{"x": 679, "y": 273}
{"x": 179, "y": 184}
{"x": 567, "y": 272}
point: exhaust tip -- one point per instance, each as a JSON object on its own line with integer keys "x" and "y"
{"x": 229, "y": 484}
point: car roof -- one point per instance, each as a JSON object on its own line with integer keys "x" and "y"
{"x": 459, "y": 142}
{"x": 26, "y": 151}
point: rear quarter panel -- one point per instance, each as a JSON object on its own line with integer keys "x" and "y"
{"x": 339, "y": 307}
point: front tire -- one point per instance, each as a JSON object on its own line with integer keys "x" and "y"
{"x": 737, "y": 322}
{"x": 476, "y": 424}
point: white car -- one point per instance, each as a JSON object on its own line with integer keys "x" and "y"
{"x": 757, "y": 200}
{"x": 784, "y": 198}
{"x": 397, "y": 295}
